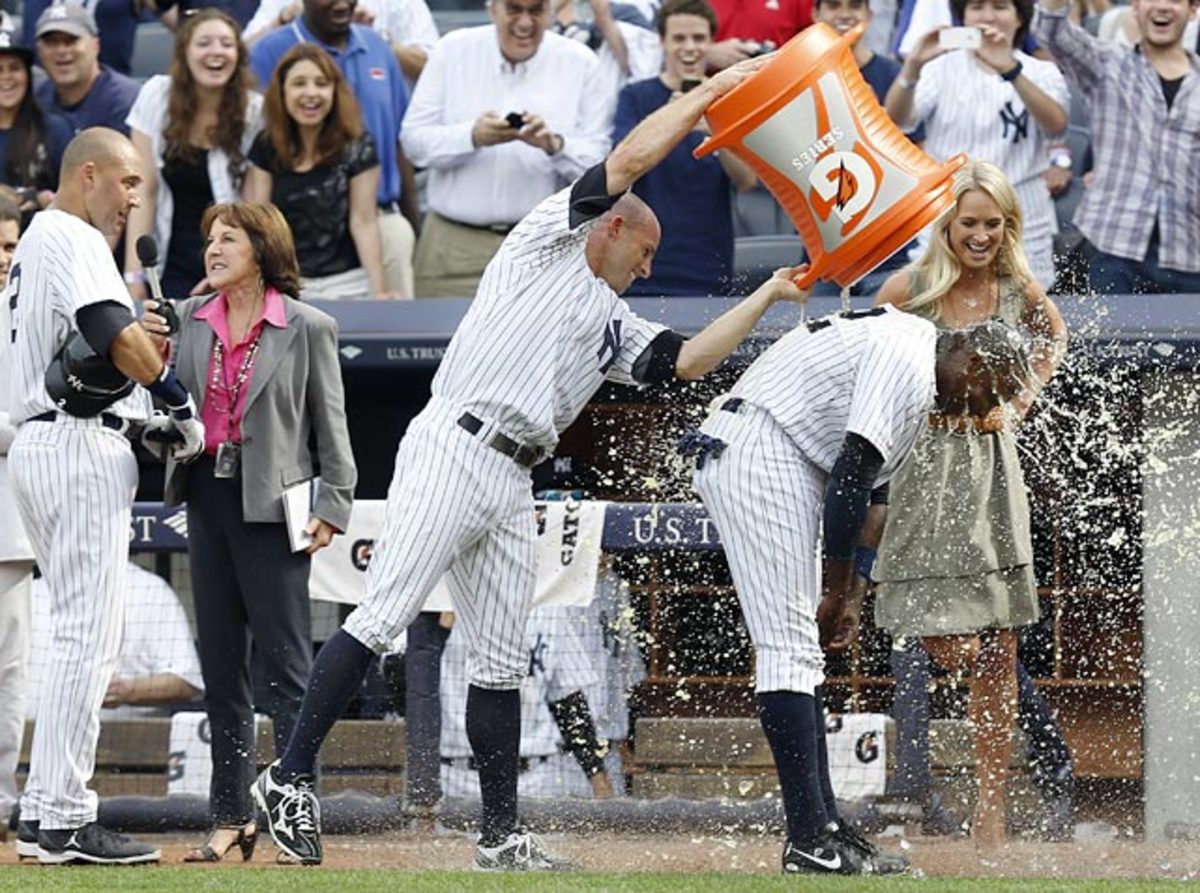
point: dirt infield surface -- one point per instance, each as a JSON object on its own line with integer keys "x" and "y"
{"x": 735, "y": 855}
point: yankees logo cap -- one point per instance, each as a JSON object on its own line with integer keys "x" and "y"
{"x": 11, "y": 44}
{"x": 68, "y": 18}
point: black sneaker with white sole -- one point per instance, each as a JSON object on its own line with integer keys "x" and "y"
{"x": 875, "y": 860}
{"x": 293, "y": 814}
{"x": 520, "y": 851}
{"x": 824, "y": 854}
{"x": 93, "y": 844}
{"x": 27, "y": 833}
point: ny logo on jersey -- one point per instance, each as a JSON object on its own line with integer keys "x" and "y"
{"x": 537, "y": 656}
{"x": 1019, "y": 122}
{"x": 612, "y": 344}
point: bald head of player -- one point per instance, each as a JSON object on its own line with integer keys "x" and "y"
{"x": 621, "y": 247}
{"x": 980, "y": 367}
{"x": 99, "y": 180}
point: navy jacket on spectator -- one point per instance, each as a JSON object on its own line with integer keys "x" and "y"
{"x": 693, "y": 200}
{"x": 106, "y": 105}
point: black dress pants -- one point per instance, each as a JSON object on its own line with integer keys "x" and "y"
{"x": 249, "y": 587}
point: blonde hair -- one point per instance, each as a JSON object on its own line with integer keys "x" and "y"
{"x": 938, "y": 268}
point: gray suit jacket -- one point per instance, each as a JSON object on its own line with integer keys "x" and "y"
{"x": 295, "y": 393}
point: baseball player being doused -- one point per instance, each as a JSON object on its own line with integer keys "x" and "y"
{"x": 789, "y": 464}
{"x": 76, "y": 352}
{"x": 545, "y": 331}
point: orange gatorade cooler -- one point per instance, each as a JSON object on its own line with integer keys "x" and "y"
{"x": 857, "y": 188}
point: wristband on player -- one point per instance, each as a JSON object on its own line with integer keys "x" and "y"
{"x": 168, "y": 389}
{"x": 864, "y": 562}
{"x": 1013, "y": 73}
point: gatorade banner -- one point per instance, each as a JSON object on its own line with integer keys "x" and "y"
{"x": 568, "y": 552}
{"x": 857, "y": 745}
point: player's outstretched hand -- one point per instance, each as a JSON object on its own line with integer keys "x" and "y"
{"x": 784, "y": 282}
{"x": 724, "y": 81}
{"x": 186, "y": 422}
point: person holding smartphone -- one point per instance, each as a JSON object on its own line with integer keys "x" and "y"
{"x": 692, "y": 197}
{"x": 995, "y": 102}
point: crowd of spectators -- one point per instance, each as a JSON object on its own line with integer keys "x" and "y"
{"x": 496, "y": 117}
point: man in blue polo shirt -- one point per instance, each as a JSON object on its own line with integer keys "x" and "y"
{"x": 79, "y": 88}
{"x": 374, "y": 74}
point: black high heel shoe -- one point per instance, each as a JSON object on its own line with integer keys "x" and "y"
{"x": 247, "y": 837}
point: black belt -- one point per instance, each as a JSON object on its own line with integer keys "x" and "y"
{"x": 523, "y": 455}
{"x": 107, "y": 419}
{"x": 524, "y": 764}
{"x": 733, "y": 404}
{"x": 500, "y": 229}
{"x": 389, "y": 207}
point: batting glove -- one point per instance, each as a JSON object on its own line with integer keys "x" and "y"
{"x": 157, "y": 434}
{"x": 186, "y": 422}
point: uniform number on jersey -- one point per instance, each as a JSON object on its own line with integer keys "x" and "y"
{"x": 815, "y": 325}
{"x": 611, "y": 345}
{"x": 14, "y": 286}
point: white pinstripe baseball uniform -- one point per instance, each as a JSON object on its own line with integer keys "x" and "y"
{"x": 871, "y": 375}
{"x": 74, "y": 480}
{"x": 966, "y": 108}
{"x": 543, "y": 333}
{"x": 16, "y": 564}
{"x": 608, "y": 637}
{"x": 155, "y": 640}
{"x": 556, "y": 667}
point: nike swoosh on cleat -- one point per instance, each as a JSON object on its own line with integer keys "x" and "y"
{"x": 828, "y": 864}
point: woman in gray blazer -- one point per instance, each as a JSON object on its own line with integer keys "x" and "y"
{"x": 264, "y": 370}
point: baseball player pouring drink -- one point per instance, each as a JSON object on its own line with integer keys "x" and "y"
{"x": 787, "y": 465}
{"x": 545, "y": 330}
{"x": 75, "y": 353}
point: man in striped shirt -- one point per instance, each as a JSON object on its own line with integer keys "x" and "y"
{"x": 1141, "y": 215}
{"x": 788, "y": 467}
{"x": 545, "y": 330}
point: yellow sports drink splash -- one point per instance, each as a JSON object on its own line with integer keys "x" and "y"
{"x": 856, "y": 187}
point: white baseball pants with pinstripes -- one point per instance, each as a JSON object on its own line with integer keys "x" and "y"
{"x": 459, "y": 508}
{"x": 15, "y": 621}
{"x": 74, "y": 480}
{"x": 766, "y": 498}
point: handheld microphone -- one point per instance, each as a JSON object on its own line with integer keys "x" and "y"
{"x": 147, "y": 252}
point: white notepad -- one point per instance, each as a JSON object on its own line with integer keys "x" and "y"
{"x": 298, "y": 502}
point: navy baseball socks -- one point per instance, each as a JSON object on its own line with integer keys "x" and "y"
{"x": 337, "y": 673}
{"x": 494, "y": 730}
{"x": 789, "y": 722}
{"x": 818, "y": 841}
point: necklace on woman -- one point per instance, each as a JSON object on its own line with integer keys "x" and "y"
{"x": 981, "y": 298}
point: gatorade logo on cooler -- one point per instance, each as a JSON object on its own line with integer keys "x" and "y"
{"x": 840, "y": 176}
{"x": 814, "y": 133}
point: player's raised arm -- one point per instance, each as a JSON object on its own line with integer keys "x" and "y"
{"x": 651, "y": 141}
{"x": 703, "y": 352}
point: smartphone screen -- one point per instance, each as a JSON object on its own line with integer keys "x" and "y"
{"x": 960, "y": 38}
